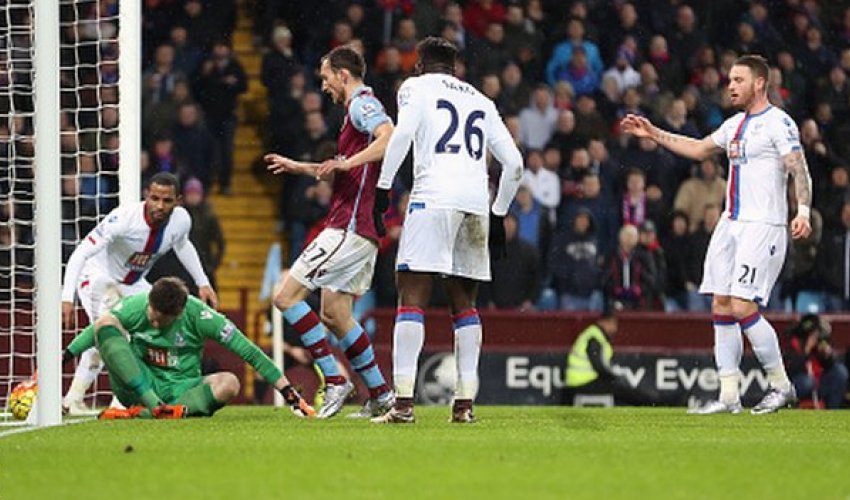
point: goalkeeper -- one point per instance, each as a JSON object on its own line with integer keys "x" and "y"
{"x": 151, "y": 344}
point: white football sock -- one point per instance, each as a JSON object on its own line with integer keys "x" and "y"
{"x": 728, "y": 348}
{"x": 766, "y": 347}
{"x": 467, "y": 351}
{"x": 88, "y": 369}
{"x": 408, "y": 338}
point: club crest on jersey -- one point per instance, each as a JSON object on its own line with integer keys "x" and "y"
{"x": 179, "y": 340}
{"x": 139, "y": 261}
{"x": 403, "y": 96}
{"x": 227, "y": 332}
{"x": 206, "y": 315}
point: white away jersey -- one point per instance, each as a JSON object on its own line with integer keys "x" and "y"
{"x": 755, "y": 145}
{"x": 454, "y": 126}
{"x": 124, "y": 246}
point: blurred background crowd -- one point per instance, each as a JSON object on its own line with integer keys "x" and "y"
{"x": 601, "y": 217}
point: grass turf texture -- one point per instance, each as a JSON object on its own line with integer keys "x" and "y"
{"x": 512, "y": 452}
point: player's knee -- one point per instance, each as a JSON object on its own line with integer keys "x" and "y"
{"x": 227, "y": 386}
{"x": 283, "y": 301}
{"x": 743, "y": 308}
{"x": 721, "y": 304}
{"x": 332, "y": 317}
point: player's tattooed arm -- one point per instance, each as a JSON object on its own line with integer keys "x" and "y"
{"x": 795, "y": 164}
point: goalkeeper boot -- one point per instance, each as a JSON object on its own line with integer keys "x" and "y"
{"x": 775, "y": 399}
{"x": 375, "y": 407}
{"x": 335, "y": 396}
{"x": 168, "y": 412}
{"x": 714, "y": 407}
{"x": 396, "y": 416}
{"x": 121, "y": 413}
{"x": 298, "y": 405}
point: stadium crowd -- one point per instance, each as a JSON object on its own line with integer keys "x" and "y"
{"x": 601, "y": 217}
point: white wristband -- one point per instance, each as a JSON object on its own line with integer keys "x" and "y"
{"x": 804, "y": 211}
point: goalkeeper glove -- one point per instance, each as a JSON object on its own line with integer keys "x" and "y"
{"x": 496, "y": 240}
{"x": 382, "y": 203}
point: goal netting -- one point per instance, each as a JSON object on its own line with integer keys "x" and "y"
{"x": 88, "y": 151}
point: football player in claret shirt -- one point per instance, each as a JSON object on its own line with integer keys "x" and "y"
{"x": 747, "y": 247}
{"x": 152, "y": 343}
{"x": 341, "y": 260}
{"x": 112, "y": 260}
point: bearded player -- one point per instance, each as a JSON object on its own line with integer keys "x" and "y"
{"x": 113, "y": 259}
{"x": 747, "y": 248}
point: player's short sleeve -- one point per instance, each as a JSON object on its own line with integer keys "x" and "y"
{"x": 111, "y": 226}
{"x": 366, "y": 113}
{"x": 723, "y": 134}
{"x": 785, "y": 135}
{"x": 131, "y": 311}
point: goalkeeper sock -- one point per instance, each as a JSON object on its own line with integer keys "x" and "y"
{"x": 467, "y": 333}
{"x": 123, "y": 365}
{"x": 199, "y": 401}
{"x": 86, "y": 373}
{"x": 313, "y": 336}
{"x": 766, "y": 347}
{"x": 728, "y": 348}
{"x": 408, "y": 337}
{"x": 359, "y": 352}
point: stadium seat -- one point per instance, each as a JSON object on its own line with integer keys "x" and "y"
{"x": 548, "y": 300}
{"x": 810, "y": 302}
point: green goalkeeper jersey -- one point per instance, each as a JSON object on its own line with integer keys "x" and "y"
{"x": 173, "y": 354}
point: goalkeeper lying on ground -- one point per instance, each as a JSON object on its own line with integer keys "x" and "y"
{"x": 151, "y": 344}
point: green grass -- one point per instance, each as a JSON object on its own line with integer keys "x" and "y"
{"x": 512, "y": 452}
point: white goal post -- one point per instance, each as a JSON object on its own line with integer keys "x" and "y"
{"x": 60, "y": 137}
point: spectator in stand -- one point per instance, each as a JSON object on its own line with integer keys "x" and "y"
{"x": 833, "y": 268}
{"x": 160, "y": 118}
{"x": 628, "y": 25}
{"x": 478, "y": 14}
{"x": 564, "y": 138}
{"x": 387, "y": 77}
{"x": 515, "y": 92}
{"x": 204, "y": 27}
{"x": 707, "y": 188}
{"x": 668, "y": 68}
{"x": 759, "y": 17}
{"x": 162, "y": 156}
{"x": 562, "y": 54}
{"x": 206, "y": 233}
{"x": 491, "y": 86}
{"x": 564, "y": 96}
{"x": 634, "y": 202}
{"x": 523, "y": 39}
{"x": 516, "y": 280}
{"x": 687, "y": 37}
{"x": 599, "y": 204}
{"x": 815, "y": 58}
{"x": 677, "y": 250}
{"x": 491, "y": 55}
{"x": 622, "y": 71}
{"x": 818, "y": 155}
{"x": 837, "y": 191}
{"x": 221, "y": 81}
{"x": 532, "y": 218}
{"x": 193, "y": 144}
{"x": 574, "y": 264}
{"x": 158, "y": 81}
{"x": 629, "y": 273}
{"x": 799, "y": 272}
{"x": 279, "y": 64}
{"x": 648, "y": 237}
{"x": 405, "y": 41}
{"x": 538, "y": 119}
{"x": 187, "y": 56}
{"x": 700, "y": 240}
{"x": 581, "y": 77}
{"x": 793, "y": 80}
{"x": 813, "y": 364}
{"x": 544, "y": 184}
{"x": 590, "y": 123}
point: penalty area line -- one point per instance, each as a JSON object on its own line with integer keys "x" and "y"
{"x": 28, "y": 428}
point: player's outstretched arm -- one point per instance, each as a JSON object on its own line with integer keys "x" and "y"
{"x": 795, "y": 163}
{"x": 371, "y": 153}
{"x": 695, "y": 149}
{"x": 278, "y": 164}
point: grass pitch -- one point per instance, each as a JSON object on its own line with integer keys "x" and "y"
{"x": 512, "y": 452}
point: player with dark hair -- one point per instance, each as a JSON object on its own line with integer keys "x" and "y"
{"x": 452, "y": 126}
{"x": 112, "y": 260}
{"x": 152, "y": 344}
{"x": 341, "y": 260}
{"x": 747, "y": 248}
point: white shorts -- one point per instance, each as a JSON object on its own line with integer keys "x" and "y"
{"x": 445, "y": 241}
{"x": 341, "y": 261}
{"x": 98, "y": 292}
{"x": 744, "y": 260}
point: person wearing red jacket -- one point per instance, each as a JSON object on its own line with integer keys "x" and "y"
{"x": 811, "y": 362}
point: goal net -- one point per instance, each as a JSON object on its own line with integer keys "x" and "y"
{"x": 88, "y": 150}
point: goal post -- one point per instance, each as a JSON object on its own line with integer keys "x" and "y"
{"x": 70, "y": 150}
{"x": 48, "y": 213}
